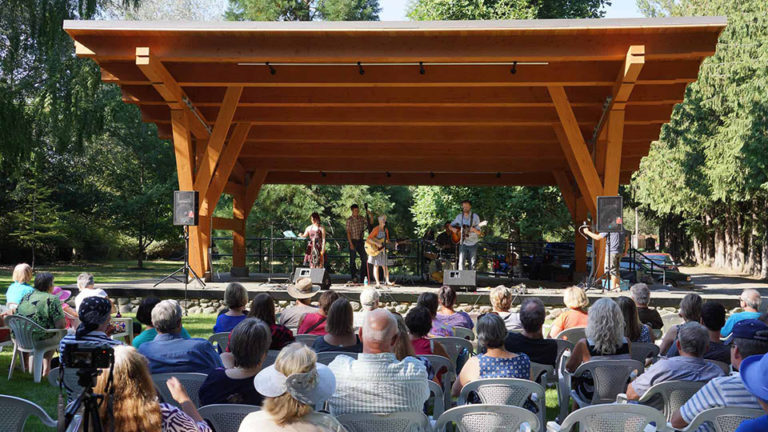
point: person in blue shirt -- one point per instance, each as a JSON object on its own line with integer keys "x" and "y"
{"x": 754, "y": 374}
{"x": 169, "y": 352}
{"x": 750, "y": 302}
{"x": 236, "y": 299}
{"x": 20, "y": 287}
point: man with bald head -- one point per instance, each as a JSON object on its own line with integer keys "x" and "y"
{"x": 750, "y": 301}
{"x": 377, "y": 382}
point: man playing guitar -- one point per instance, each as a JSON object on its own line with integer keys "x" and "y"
{"x": 466, "y": 230}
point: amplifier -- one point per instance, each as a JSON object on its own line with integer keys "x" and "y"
{"x": 318, "y": 276}
{"x": 460, "y": 278}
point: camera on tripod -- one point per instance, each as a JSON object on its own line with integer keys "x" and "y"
{"x": 88, "y": 358}
{"x": 88, "y": 355}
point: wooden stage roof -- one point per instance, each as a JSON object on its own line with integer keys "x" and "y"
{"x": 452, "y": 102}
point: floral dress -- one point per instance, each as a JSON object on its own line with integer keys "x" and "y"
{"x": 314, "y": 255}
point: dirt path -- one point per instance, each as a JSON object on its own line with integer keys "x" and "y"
{"x": 714, "y": 281}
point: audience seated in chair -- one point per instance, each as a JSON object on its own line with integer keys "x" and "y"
{"x": 501, "y": 301}
{"x": 750, "y": 338}
{"x": 419, "y": 323}
{"x": 144, "y": 316}
{"x": 340, "y": 335}
{"x": 713, "y": 318}
{"x": 94, "y": 322}
{"x": 248, "y": 347}
{"x": 22, "y": 275}
{"x": 690, "y": 311}
{"x": 369, "y": 300}
{"x": 531, "y": 341}
{"x": 303, "y": 291}
{"x": 263, "y": 308}
{"x": 634, "y": 330}
{"x": 315, "y": 322}
{"x": 641, "y": 295}
{"x": 377, "y": 382}
{"x": 692, "y": 340}
{"x": 750, "y": 302}
{"x": 135, "y": 404}
{"x": 446, "y": 315}
{"x": 575, "y": 299}
{"x": 87, "y": 288}
{"x": 236, "y": 299}
{"x": 403, "y": 348}
{"x": 754, "y": 374}
{"x": 169, "y": 352}
{"x": 429, "y": 301}
{"x": 292, "y": 387}
{"x": 497, "y": 362}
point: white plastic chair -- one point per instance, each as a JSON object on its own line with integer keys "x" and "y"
{"x": 724, "y": 366}
{"x": 464, "y": 333}
{"x": 14, "y": 412}
{"x": 71, "y": 387}
{"x": 667, "y": 396}
{"x": 670, "y": 320}
{"x": 453, "y": 346}
{"x": 725, "y": 419}
{"x": 573, "y": 334}
{"x": 448, "y": 378}
{"x": 611, "y": 418}
{"x": 542, "y": 373}
{"x": 306, "y": 339}
{"x": 226, "y": 417}
{"x": 404, "y": 421}
{"x": 436, "y": 393}
{"x": 127, "y": 335}
{"x": 488, "y": 418}
{"x": 506, "y": 391}
{"x": 192, "y": 381}
{"x": 219, "y": 340}
{"x": 641, "y": 351}
{"x": 327, "y": 357}
{"x": 269, "y": 360}
{"x": 24, "y": 341}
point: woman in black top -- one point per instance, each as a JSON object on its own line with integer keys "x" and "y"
{"x": 340, "y": 335}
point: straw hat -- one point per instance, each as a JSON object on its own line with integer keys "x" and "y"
{"x": 303, "y": 288}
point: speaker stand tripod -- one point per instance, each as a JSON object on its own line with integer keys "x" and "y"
{"x": 184, "y": 271}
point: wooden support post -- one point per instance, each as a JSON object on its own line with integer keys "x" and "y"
{"x": 613, "y": 152}
{"x": 252, "y": 190}
{"x": 239, "y": 267}
{"x": 580, "y": 243}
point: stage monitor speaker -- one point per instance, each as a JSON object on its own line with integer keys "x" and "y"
{"x": 460, "y": 278}
{"x": 185, "y": 207}
{"x": 318, "y": 276}
{"x": 609, "y": 214}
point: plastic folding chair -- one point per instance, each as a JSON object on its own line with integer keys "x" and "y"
{"x": 22, "y": 335}
{"x": 724, "y": 366}
{"x": 220, "y": 341}
{"x": 641, "y": 351}
{"x": 436, "y": 394}
{"x": 542, "y": 373}
{"x": 667, "y": 396}
{"x": 670, "y": 320}
{"x": 506, "y": 391}
{"x": 464, "y": 333}
{"x": 488, "y": 418}
{"x": 269, "y": 360}
{"x": 724, "y": 419}
{"x": 327, "y": 357}
{"x": 453, "y": 346}
{"x": 448, "y": 378}
{"x": 611, "y": 418}
{"x": 403, "y": 421}
{"x": 226, "y": 417}
{"x": 15, "y": 411}
{"x": 573, "y": 334}
{"x": 192, "y": 381}
{"x": 71, "y": 387}
{"x": 306, "y": 339}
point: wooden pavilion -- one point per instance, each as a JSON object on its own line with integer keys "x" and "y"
{"x": 572, "y": 103}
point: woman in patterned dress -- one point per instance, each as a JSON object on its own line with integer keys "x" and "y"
{"x": 315, "y": 254}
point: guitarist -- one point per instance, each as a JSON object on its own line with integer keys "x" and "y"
{"x": 377, "y": 240}
{"x": 463, "y": 225}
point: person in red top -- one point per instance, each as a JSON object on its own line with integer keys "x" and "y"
{"x": 419, "y": 322}
{"x": 314, "y": 323}
{"x": 576, "y": 316}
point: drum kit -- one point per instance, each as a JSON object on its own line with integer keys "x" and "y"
{"x": 438, "y": 259}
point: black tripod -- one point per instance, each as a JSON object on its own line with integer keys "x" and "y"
{"x": 185, "y": 270}
{"x": 86, "y": 378}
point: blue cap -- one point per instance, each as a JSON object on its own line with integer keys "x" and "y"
{"x": 754, "y": 374}
{"x": 750, "y": 329}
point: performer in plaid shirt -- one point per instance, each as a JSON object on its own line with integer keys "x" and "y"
{"x": 355, "y": 230}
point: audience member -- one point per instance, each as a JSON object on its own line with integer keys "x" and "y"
{"x": 531, "y": 341}
{"x": 713, "y": 318}
{"x": 501, "y": 301}
{"x": 634, "y": 330}
{"x": 248, "y": 347}
{"x": 403, "y": 347}
{"x": 369, "y": 300}
{"x": 94, "y": 322}
{"x": 750, "y": 302}
{"x": 263, "y": 308}
{"x": 314, "y": 323}
{"x": 303, "y": 291}
{"x": 144, "y": 316}
{"x": 429, "y": 301}
{"x": 236, "y": 299}
{"x": 692, "y": 340}
{"x": 377, "y": 382}
{"x": 70, "y": 314}
{"x": 292, "y": 387}
{"x": 575, "y": 299}
{"x": 22, "y": 275}
{"x": 87, "y": 288}
{"x": 134, "y": 405}
{"x": 169, "y": 352}
{"x": 340, "y": 336}
{"x": 642, "y": 297}
{"x": 754, "y": 375}
{"x": 750, "y": 337}
{"x": 419, "y": 323}
{"x": 690, "y": 311}
{"x": 446, "y": 296}
{"x": 497, "y": 362}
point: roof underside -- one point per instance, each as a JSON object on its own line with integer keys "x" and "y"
{"x": 461, "y": 118}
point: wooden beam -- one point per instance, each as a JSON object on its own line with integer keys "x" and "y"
{"x": 580, "y": 243}
{"x": 625, "y": 82}
{"x": 405, "y": 164}
{"x": 224, "y": 168}
{"x": 238, "y": 235}
{"x": 227, "y": 224}
{"x": 567, "y": 190}
{"x": 234, "y": 188}
{"x": 252, "y": 190}
{"x": 182, "y": 145}
{"x": 613, "y": 152}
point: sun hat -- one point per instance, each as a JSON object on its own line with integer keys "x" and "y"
{"x": 308, "y": 388}
{"x": 303, "y": 288}
{"x": 61, "y": 293}
{"x": 754, "y": 374}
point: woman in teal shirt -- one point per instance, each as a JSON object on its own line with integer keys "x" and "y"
{"x": 20, "y": 287}
{"x": 144, "y": 316}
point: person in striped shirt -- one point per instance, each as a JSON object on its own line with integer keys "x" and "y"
{"x": 750, "y": 337}
{"x": 94, "y": 315}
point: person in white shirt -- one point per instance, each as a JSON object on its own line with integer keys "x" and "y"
{"x": 467, "y": 224}
{"x": 87, "y": 289}
{"x": 377, "y": 382}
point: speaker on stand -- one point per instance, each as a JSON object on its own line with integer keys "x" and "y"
{"x": 318, "y": 275}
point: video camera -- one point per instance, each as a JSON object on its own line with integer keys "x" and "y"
{"x": 88, "y": 355}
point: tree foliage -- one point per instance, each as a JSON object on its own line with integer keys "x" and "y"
{"x": 303, "y": 10}
{"x": 422, "y": 10}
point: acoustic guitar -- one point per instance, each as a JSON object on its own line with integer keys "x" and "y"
{"x": 374, "y": 247}
{"x": 470, "y": 238}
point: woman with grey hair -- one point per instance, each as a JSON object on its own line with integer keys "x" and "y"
{"x": 377, "y": 240}
{"x": 690, "y": 311}
{"x": 497, "y": 362}
{"x": 642, "y": 298}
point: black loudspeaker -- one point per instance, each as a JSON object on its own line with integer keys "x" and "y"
{"x": 609, "y": 214}
{"x": 460, "y": 278}
{"x": 318, "y": 276}
{"x": 185, "y": 207}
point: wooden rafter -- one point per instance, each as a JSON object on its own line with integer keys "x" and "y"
{"x": 570, "y": 194}
{"x": 613, "y": 157}
{"x": 182, "y": 144}
{"x": 252, "y": 190}
{"x": 224, "y": 168}
{"x": 634, "y": 63}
